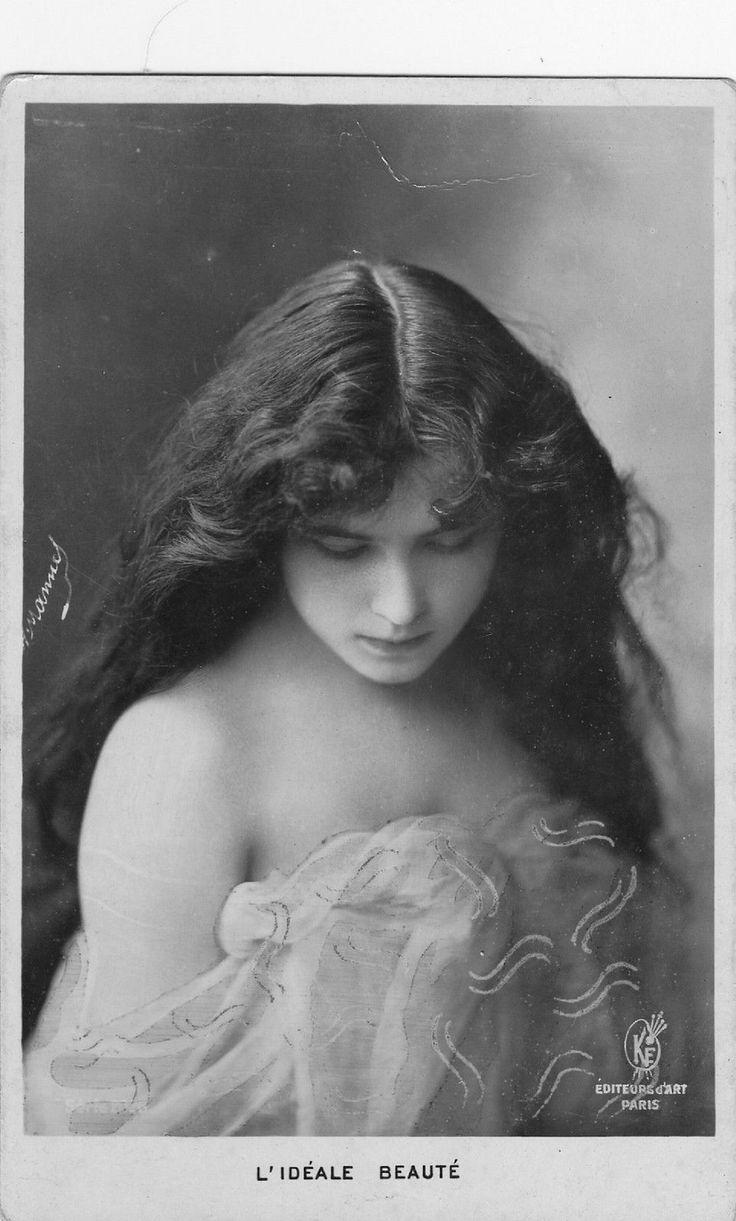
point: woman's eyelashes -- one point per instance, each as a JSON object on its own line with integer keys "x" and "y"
{"x": 341, "y": 548}
{"x": 345, "y": 547}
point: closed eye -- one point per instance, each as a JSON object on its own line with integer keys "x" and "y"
{"x": 342, "y": 548}
{"x": 346, "y": 547}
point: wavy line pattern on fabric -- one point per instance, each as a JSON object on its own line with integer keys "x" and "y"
{"x": 359, "y": 962}
{"x": 572, "y": 1051}
{"x": 562, "y": 1073}
{"x": 617, "y": 983}
{"x": 599, "y": 907}
{"x": 450, "y": 1039}
{"x": 611, "y": 1103}
{"x": 573, "y": 1000}
{"x": 511, "y": 952}
{"x": 581, "y": 839}
{"x": 611, "y": 915}
{"x": 455, "y": 860}
{"x": 210, "y": 1025}
{"x": 510, "y": 974}
{"x": 464, "y": 1060}
{"x": 547, "y": 830}
{"x": 445, "y": 1060}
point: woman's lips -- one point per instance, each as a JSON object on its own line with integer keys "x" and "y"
{"x": 391, "y": 647}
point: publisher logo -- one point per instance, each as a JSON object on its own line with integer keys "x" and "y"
{"x": 645, "y": 1091}
{"x": 642, "y": 1047}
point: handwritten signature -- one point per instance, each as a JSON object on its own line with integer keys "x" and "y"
{"x": 34, "y": 616}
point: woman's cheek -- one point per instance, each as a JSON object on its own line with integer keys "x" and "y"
{"x": 470, "y": 577}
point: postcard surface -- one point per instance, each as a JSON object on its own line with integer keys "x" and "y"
{"x": 367, "y": 479}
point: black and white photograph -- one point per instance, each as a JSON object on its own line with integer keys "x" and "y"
{"x": 369, "y": 519}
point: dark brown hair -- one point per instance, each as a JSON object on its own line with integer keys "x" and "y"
{"x": 322, "y": 400}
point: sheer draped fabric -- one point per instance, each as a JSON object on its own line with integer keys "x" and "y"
{"x": 427, "y": 979}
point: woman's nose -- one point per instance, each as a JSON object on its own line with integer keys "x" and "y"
{"x": 397, "y": 596}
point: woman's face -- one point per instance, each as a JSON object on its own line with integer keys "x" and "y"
{"x": 390, "y": 589}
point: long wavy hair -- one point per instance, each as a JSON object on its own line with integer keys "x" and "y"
{"x": 322, "y": 401}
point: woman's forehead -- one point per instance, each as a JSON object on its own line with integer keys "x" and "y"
{"x": 410, "y": 504}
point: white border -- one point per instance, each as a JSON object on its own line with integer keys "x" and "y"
{"x": 367, "y": 90}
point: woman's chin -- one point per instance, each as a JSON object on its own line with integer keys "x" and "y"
{"x": 391, "y": 664}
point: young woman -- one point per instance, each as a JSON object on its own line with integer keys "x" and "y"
{"x": 369, "y": 828}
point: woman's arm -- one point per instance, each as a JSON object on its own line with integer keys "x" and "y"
{"x": 163, "y": 843}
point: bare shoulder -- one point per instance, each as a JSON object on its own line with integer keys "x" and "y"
{"x": 176, "y": 725}
{"x": 166, "y": 774}
{"x": 164, "y": 839}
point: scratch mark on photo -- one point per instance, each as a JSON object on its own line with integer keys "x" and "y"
{"x": 443, "y": 185}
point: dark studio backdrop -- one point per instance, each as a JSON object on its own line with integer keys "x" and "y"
{"x": 154, "y": 231}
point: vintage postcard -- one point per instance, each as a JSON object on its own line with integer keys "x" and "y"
{"x": 367, "y": 455}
